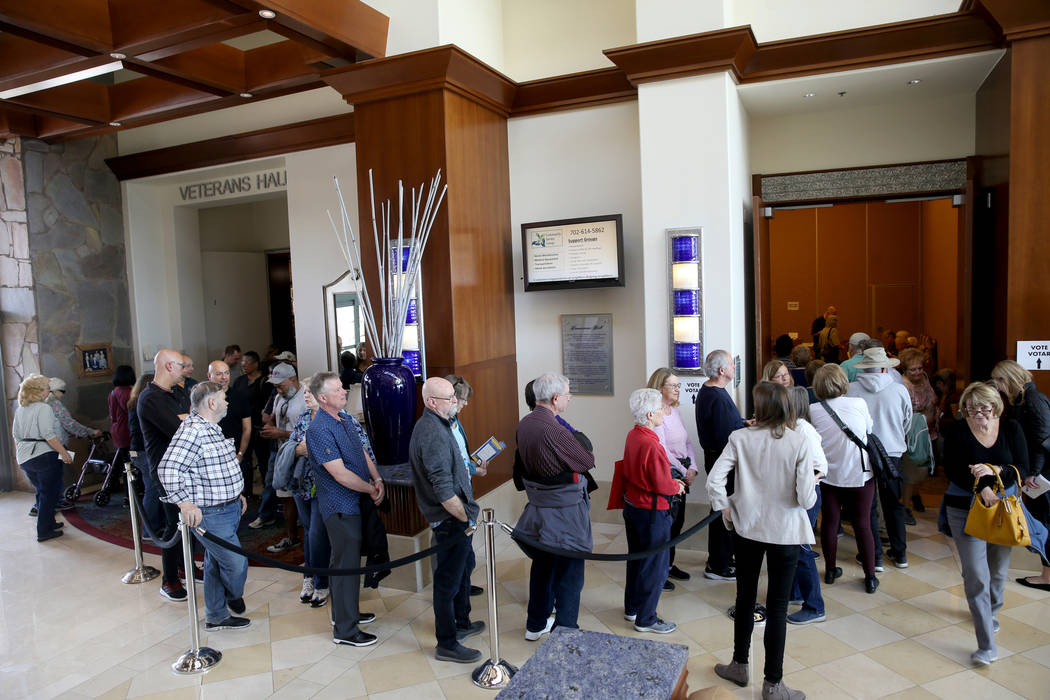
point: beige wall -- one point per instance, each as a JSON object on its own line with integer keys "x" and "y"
{"x": 253, "y": 226}
{"x": 542, "y": 38}
{"x": 930, "y": 130}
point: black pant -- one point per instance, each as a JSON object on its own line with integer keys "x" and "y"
{"x": 719, "y": 539}
{"x": 890, "y": 497}
{"x": 45, "y": 474}
{"x": 677, "y": 523}
{"x": 171, "y": 558}
{"x": 344, "y": 532}
{"x": 645, "y": 577}
{"x": 555, "y": 583}
{"x": 451, "y": 582}
{"x": 781, "y": 560}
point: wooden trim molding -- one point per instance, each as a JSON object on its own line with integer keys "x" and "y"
{"x": 872, "y": 46}
{"x": 1019, "y": 19}
{"x": 587, "y": 89}
{"x": 711, "y": 52}
{"x": 301, "y": 136}
{"x": 445, "y": 67}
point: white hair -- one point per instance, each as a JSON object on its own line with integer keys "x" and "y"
{"x": 643, "y": 402}
{"x": 201, "y": 392}
{"x": 716, "y": 360}
{"x": 549, "y": 384}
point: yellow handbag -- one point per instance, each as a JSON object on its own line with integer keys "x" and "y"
{"x": 1003, "y": 523}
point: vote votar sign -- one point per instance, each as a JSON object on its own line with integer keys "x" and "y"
{"x": 1033, "y": 354}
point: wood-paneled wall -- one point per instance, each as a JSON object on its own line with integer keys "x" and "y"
{"x": 868, "y": 260}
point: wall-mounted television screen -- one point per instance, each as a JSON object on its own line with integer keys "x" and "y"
{"x": 573, "y": 253}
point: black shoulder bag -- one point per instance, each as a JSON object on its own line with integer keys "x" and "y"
{"x": 881, "y": 464}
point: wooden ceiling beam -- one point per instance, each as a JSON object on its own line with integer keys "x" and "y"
{"x": 82, "y": 23}
{"x": 23, "y": 61}
{"x": 84, "y": 102}
{"x": 15, "y": 123}
{"x": 345, "y": 26}
{"x": 135, "y": 22}
{"x": 279, "y": 64}
{"x": 150, "y": 95}
{"x": 216, "y": 68}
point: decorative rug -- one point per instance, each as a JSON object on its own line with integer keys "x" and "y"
{"x": 112, "y": 523}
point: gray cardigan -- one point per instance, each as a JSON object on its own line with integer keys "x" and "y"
{"x": 438, "y": 469}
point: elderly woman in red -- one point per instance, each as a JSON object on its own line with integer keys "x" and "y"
{"x": 647, "y": 488}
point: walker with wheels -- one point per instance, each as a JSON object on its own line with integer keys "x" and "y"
{"x": 99, "y": 462}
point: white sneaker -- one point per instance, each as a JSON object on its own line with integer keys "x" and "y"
{"x": 630, "y": 618}
{"x": 983, "y": 657}
{"x": 320, "y": 598}
{"x": 308, "y": 590}
{"x": 285, "y": 544}
{"x": 533, "y": 636}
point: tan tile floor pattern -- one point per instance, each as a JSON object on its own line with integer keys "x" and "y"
{"x": 70, "y": 629}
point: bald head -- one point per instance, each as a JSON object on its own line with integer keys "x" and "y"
{"x": 438, "y": 396}
{"x": 187, "y": 366}
{"x": 168, "y": 367}
{"x": 219, "y": 372}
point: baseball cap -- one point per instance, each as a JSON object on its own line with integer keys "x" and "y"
{"x": 857, "y": 338}
{"x": 281, "y": 372}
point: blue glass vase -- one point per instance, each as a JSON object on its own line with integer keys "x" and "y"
{"x": 388, "y": 395}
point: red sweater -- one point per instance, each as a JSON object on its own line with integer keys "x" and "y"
{"x": 646, "y": 470}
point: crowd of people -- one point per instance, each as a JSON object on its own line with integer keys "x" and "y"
{"x": 805, "y": 453}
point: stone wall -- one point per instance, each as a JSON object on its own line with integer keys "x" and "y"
{"x": 76, "y": 243}
{"x": 17, "y": 300}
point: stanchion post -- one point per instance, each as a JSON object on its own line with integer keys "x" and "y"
{"x": 494, "y": 673}
{"x": 197, "y": 659}
{"x": 141, "y": 573}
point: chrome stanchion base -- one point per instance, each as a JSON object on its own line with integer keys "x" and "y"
{"x": 196, "y": 661}
{"x": 493, "y": 675}
{"x": 140, "y": 575}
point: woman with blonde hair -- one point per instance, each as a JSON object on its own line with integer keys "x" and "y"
{"x": 680, "y": 454}
{"x": 974, "y": 452}
{"x": 777, "y": 372}
{"x": 39, "y": 452}
{"x": 1030, "y": 408}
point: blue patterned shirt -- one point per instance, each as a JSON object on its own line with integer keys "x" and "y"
{"x": 328, "y": 439}
{"x": 299, "y": 434}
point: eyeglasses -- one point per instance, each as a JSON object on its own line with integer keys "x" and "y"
{"x": 450, "y": 399}
{"x": 673, "y": 386}
{"x": 979, "y": 411}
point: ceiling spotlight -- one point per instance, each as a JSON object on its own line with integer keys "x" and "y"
{"x": 118, "y": 55}
{"x": 267, "y": 14}
{"x": 246, "y": 95}
{"x": 810, "y": 94}
{"x": 115, "y": 123}
{"x": 914, "y": 81}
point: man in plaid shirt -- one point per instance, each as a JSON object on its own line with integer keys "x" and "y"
{"x": 201, "y": 475}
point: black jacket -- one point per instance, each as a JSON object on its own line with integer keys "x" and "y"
{"x": 1033, "y": 413}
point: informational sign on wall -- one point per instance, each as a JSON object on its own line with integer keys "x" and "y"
{"x": 1033, "y": 354}
{"x": 586, "y": 353}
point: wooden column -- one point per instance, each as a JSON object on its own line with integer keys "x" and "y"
{"x": 441, "y": 108}
{"x": 1028, "y": 279}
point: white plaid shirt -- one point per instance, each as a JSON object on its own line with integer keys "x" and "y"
{"x": 200, "y": 465}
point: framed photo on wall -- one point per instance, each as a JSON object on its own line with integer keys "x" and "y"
{"x": 94, "y": 360}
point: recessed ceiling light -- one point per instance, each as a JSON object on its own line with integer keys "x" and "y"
{"x": 914, "y": 81}
{"x": 115, "y": 123}
{"x": 118, "y": 55}
{"x": 267, "y": 14}
{"x": 810, "y": 94}
{"x": 246, "y": 95}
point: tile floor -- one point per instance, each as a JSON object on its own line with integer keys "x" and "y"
{"x": 70, "y": 629}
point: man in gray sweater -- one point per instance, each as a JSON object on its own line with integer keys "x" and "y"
{"x": 438, "y": 456}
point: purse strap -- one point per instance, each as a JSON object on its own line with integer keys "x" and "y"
{"x": 999, "y": 479}
{"x": 849, "y": 433}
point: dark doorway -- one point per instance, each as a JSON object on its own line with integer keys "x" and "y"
{"x": 282, "y": 310}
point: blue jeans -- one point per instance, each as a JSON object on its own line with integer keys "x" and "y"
{"x": 807, "y": 580}
{"x": 645, "y": 577}
{"x": 451, "y": 582}
{"x": 45, "y": 474}
{"x": 224, "y": 571}
{"x": 152, "y": 512}
{"x": 316, "y": 548}
{"x": 268, "y": 500}
{"x": 554, "y": 584}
